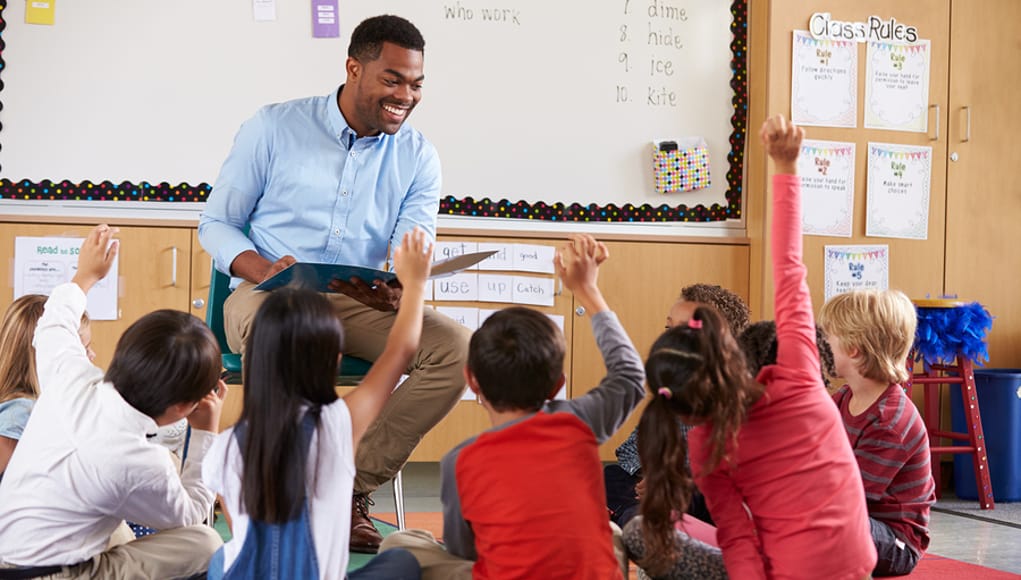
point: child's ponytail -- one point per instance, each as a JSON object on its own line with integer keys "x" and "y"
{"x": 667, "y": 482}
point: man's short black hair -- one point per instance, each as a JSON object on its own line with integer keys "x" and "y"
{"x": 166, "y": 357}
{"x": 517, "y": 357}
{"x": 368, "y": 37}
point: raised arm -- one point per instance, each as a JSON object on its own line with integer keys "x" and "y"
{"x": 605, "y": 407}
{"x": 795, "y": 324}
{"x": 58, "y": 347}
{"x": 412, "y": 261}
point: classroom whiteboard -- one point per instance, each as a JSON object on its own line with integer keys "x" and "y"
{"x": 533, "y": 105}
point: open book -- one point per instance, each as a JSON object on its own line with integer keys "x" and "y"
{"x": 318, "y": 276}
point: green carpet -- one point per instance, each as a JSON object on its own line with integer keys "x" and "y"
{"x": 355, "y": 562}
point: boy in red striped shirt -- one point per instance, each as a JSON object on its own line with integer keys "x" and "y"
{"x": 871, "y": 333}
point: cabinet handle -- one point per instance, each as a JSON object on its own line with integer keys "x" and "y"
{"x": 936, "y": 138}
{"x": 198, "y": 303}
{"x": 173, "y": 266}
{"x": 967, "y": 124}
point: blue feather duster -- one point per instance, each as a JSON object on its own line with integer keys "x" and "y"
{"x": 943, "y": 333}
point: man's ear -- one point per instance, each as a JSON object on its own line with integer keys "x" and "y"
{"x": 353, "y": 68}
{"x": 559, "y": 385}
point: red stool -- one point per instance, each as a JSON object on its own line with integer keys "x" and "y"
{"x": 961, "y": 372}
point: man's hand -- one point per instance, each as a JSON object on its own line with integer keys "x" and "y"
{"x": 250, "y": 266}
{"x": 279, "y": 265}
{"x": 206, "y": 415}
{"x": 96, "y": 256}
{"x": 382, "y": 296}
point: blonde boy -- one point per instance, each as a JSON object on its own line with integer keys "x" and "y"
{"x": 871, "y": 334}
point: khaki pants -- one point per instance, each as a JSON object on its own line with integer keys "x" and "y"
{"x": 434, "y": 386}
{"x": 177, "y": 553}
{"x": 438, "y": 564}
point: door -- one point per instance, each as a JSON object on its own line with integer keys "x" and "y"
{"x": 983, "y": 184}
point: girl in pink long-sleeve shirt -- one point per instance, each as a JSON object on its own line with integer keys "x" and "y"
{"x": 770, "y": 455}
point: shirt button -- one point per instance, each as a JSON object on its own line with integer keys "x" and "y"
{"x": 343, "y": 192}
{"x": 336, "y": 232}
{"x": 354, "y": 154}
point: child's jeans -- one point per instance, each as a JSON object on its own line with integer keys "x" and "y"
{"x": 896, "y": 558}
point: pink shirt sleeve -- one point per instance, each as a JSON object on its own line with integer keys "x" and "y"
{"x": 795, "y": 323}
{"x": 735, "y": 530}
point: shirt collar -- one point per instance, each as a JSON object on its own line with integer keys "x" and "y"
{"x": 338, "y": 123}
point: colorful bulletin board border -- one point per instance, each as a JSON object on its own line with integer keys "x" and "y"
{"x": 47, "y": 189}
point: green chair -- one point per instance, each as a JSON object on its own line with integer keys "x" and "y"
{"x": 352, "y": 369}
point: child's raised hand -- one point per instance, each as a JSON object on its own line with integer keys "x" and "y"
{"x": 577, "y": 262}
{"x": 96, "y": 256}
{"x": 413, "y": 259}
{"x": 782, "y": 139}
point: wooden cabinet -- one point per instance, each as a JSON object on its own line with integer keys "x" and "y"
{"x": 916, "y": 266}
{"x": 983, "y": 184}
{"x": 166, "y": 267}
{"x": 154, "y": 272}
{"x": 974, "y": 120}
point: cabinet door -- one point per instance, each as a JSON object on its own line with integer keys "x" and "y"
{"x": 201, "y": 270}
{"x": 154, "y": 272}
{"x": 916, "y": 266}
{"x": 983, "y": 188}
{"x": 640, "y": 282}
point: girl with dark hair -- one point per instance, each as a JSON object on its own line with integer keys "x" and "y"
{"x": 286, "y": 469}
{"x": 770, "y": 455}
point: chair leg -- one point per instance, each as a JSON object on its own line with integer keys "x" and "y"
{"x": 931, "y": 400}
{"x": 398, "y": 484}
{"x": 973, "y": 419}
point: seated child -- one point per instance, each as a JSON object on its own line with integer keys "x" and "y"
{"x": 83, "y": 464}
{"x": 525, "y": 499}
{"x": 871, "y": 333}
{"x": 770, "y": 455}
{"x": 286, "y": 470}
{"x": 19, "y": 383}
{"x": 621, "y": 479}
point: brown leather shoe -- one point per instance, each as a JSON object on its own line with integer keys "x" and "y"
{"x": 365, "y": 538}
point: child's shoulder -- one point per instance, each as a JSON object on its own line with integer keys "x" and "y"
{"x": 896, "y": 410}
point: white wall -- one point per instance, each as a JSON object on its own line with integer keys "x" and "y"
{"x": 153, "y": 90}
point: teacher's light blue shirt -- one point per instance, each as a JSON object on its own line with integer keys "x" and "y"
{"x": 305, "y": 186}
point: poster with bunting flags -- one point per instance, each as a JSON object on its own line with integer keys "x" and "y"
{"x": 897, "y": 197}
{"x": 827, "y": 187}
{"x": 856, "y": 268}
{"x": 897, "y": 86}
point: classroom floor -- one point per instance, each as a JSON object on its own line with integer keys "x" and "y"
{"x": 967, "y": 535}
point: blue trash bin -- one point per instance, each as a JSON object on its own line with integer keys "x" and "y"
{"x": 999, "y": 396}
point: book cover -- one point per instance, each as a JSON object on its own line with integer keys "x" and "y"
{"x": 318, "y": 276}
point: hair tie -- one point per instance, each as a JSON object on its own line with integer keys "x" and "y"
{"x": 693, "y": 323}
{"x": 667, "y": 393}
